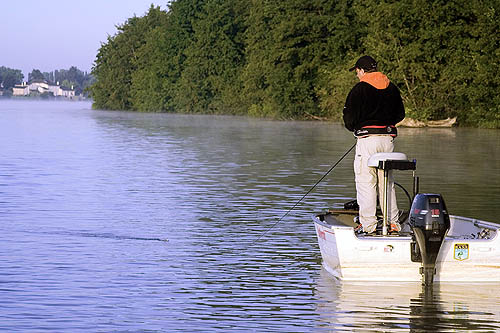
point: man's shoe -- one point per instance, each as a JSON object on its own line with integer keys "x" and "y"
{"x": 395, "y": 228}
{"x": 358, "y": 231}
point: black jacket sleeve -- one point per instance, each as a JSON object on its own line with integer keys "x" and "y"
{"x": 352, "y": 107}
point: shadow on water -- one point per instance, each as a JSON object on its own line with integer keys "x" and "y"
{"x": 406, "y": 306}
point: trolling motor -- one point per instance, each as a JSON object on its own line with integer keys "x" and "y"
{"x": 430, "y": 222}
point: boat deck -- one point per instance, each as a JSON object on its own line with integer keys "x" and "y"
{"x": 345, "y": 218}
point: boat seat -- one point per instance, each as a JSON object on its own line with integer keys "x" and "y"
{"x": 391, "y": 161}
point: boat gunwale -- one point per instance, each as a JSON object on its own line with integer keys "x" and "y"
{"x": 476, "y": 222}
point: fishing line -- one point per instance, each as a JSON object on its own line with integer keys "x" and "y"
{"x": 310, "y": 190}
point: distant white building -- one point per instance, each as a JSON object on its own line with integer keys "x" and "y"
{"x": 68, "y": 93}
{"x": 21, "y": 90}
{"x": 38, "y": 87}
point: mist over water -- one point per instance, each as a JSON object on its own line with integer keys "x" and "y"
{"x": 123, "y": 221}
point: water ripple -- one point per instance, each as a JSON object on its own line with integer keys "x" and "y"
{"x": 119, "y": 221}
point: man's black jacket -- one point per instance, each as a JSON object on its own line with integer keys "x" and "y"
{"x": 366, "y": 105}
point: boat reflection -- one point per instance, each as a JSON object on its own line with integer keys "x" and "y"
{"x": 405, "y": 306}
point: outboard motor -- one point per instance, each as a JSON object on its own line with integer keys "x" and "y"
{"x": 430, "y": 222}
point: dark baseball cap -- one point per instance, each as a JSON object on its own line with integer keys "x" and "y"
{"x": 365, "y": 62}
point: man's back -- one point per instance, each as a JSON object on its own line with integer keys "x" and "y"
{"x": 373, "y": 101}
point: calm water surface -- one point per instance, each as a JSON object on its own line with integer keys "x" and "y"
{"x": 120, "y": 221}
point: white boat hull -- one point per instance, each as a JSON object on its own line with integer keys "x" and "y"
{"x": 388, "y": 258}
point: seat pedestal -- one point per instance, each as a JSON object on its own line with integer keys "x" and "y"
{"x": 389, "y": 162}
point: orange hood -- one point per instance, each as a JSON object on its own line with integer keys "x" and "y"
{"x": 376, "y": 79}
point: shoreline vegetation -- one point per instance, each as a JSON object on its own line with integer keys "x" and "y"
{"x": 289, "y": 59}
{"x": 58, "y": 84}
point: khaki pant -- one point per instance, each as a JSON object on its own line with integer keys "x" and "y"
{"x": 369, "y": 179}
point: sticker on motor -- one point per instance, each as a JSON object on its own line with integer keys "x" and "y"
{"x": 461, "y": 252}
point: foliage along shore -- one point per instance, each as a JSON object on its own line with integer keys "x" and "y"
{"x": 72, "y": 78}
{"x": 289, "y": 59}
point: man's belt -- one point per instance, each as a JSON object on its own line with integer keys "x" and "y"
{"x": 379, "y": 130}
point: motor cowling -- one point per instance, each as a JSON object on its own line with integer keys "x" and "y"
{"x": 430, "y": 222}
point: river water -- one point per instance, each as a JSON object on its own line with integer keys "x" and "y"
{"x": 121, "y": 221}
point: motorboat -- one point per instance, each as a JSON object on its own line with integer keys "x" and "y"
{"x": 432, "y": 246}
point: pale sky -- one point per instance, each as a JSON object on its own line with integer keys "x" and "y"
{"x": 58, "y": 34}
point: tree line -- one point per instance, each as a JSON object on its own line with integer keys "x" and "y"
{"x": 289, "y": 59}
{"x": 9, "y": 77}
{"x": 71, "y": 78}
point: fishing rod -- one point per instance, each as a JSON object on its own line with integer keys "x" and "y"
{"x": 310, "y": 190}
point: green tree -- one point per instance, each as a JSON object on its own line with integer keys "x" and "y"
{"x": 10, "y": 77}
{"x": 289, "y": 46}
{"x": 435, "y": 51}
{"x": 35, "y": 75}
{"x": 49, "y": 76}
{"x": 342, "y": 44}
{"x": 161, "y": 58}
{"x": 478, "y": 80}
{"x": 210, "y": 81}
{"x": 117, "y": 60}
{"x": 289, "y": 59}
{"x": 72, "y": 78}
{"x": 148, "y": 89}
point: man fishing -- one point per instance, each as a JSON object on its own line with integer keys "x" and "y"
{"x": 372, "y": 109}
